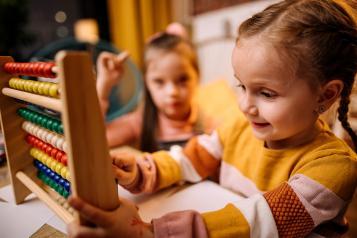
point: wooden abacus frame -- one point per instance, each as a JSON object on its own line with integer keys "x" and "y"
{"x": 92, "y": 177}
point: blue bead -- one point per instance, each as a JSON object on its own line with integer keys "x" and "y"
{"x": 57, "y": 178}
{"x": 52, "y": 175}
{"x": 40, "y": 165}
{"x": 48, "y": 171}
{"x": 67, "y": 186}
{"x": 61, "y": 182}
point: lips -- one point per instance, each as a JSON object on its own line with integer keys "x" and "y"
{"x": 260, "y": 125}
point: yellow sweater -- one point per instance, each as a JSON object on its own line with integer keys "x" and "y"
{"x": 288, "y": 193}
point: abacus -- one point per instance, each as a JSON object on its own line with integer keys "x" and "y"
{"x": 54, "y": 133}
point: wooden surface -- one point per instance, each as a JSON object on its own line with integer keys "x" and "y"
{"x": 51, "y": 103}
{"x": 17, "y": 150}
{"x": 92, "y": 177}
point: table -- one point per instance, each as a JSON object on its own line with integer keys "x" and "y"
{"x": 34, "y": 218}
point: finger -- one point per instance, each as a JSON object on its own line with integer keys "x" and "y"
{"x": 77, "y": 231}
{"x": 122, "y": 56}
{"x": 123, "y": 176}
{"x": 89, "y": 212}
{"x": 125, "y": 163}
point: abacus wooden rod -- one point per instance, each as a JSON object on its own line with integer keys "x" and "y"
{"x": 41, "y": 194}
{"x": 51, "y": 103}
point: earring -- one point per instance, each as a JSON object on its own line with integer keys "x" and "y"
{"x": 321, "y": 109}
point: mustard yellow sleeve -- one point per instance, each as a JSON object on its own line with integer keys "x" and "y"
{"x": 168, "y": 170}
{"x": 227, "y": 222}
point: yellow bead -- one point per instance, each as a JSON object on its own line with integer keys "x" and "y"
{"x": 53, "y": 165}
{"x": 20, "y": 84}
{"x": 48, "y": 160}
{"x": 31, "y": 86}
{"x": 58, "y": 168}
{"x": 46, "y": 88}
{"x": 53, "y": 91}
{"x": 40, "y": 88}
{"x": 68, "y": 176}
{"x": 26, "y": 85}
{"x": 64, "y": 172}
{"x": 11, "y": 83}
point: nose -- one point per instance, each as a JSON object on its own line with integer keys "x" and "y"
{"x": 247, "y": 105}
{"x": 171, "y": 89}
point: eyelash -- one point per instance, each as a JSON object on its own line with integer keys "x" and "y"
{"x": 239, "y": 85}
{"x": 265, "y": 94}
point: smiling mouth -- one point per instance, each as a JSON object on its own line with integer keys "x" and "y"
{"x": 260, "y": 125}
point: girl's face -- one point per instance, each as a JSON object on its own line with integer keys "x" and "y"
{"x": 278, "y": 105}
{"x": 171, "y": 80}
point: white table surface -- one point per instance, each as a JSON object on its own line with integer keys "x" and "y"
{"x": 25, "y": 219}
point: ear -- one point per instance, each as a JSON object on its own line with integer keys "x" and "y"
{"x": 330, "y": 92}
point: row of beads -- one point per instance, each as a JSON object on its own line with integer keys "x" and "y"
{"x": 56, "y": 154}
{"x": 51, "y": 163}
{"x": 41, "y": 120}
{"x": 37, "y": 87}
{"x": 47, "y": 136}
{"x": 63, "y": 202}
{"x": 52, "y": 179}
{"x": 37, "y": 69}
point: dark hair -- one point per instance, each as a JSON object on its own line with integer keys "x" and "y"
{"x": 163, "y": 42}
{"x": 319, "y": 35}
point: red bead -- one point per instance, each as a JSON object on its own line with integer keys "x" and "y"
{"x": 53, "y": 152}
{"x": 29, "y": 139}
{"x": 59, "y": 155}
{"x": 48, "y": 150}
{"x": 44, "y": 147}
{"x": 64, "y": 159}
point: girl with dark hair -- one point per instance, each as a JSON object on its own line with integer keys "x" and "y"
{"x": 292, "y": 61}
{"x": 169, "y": 116}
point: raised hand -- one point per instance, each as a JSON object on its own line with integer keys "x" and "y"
{"x": 110, "y": 69}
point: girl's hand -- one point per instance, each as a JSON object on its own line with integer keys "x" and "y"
{"x": 124, "y": 221}
{"x": 125, "y": 168}
{"x": 110, "y": 68}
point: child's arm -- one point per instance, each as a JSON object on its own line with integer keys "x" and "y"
{"x": 122, "y": 222}
{"x": 109, "y": 71}
{"x": 196, "y": 161}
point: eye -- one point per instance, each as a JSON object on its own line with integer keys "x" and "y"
{"x": 182, "y": 80}
{"x": 240, "y": 86}
{"x": 268, "y": 94}
{"x": 158, "y": 82}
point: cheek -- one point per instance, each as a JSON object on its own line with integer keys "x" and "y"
{"x": 187, "y": 92}
{"x": 155, "y": 95}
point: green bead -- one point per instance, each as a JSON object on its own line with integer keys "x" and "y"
{"x": 60, "y": 128}
{"x": 65, "y": 194}
{"x": 49, "y": 124}
{"x": 60, "y": 190}
{"x": 55, "y": 186}
{"x": 33, "y": 118}
{"x": 46, "y": 180}
{"x": 54, "y": 125}
{"x": 43, "y": 121}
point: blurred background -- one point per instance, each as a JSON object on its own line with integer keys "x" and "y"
{"x": 39, "y": 27}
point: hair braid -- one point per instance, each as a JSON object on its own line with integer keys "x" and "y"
{"x": 343, "y": 113}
